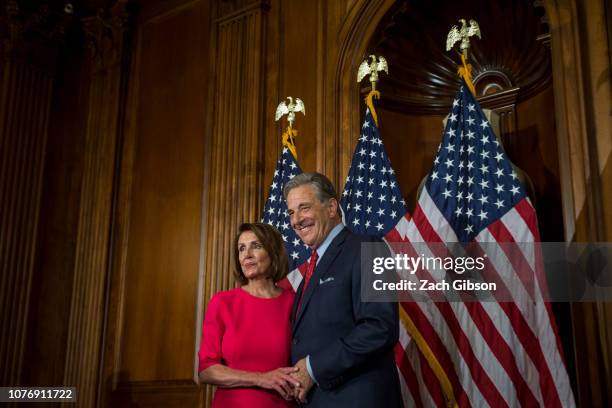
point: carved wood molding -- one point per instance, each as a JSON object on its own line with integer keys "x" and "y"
{"x": 113, "y": 330}
{"x": 544, "y": 39}
{"x": 237, "y": 125}
{"x": 423, "y": 76}
{"x": 229, "y": 10}
{"x": 164, "y": 393}
{"x": 504, "y": 104}
{"x": 105, "y": 33}
{"x": 33, "y": 35}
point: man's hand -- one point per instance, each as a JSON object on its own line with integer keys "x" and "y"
{"x": 280, "y": 380}
{"x": 306, "y": 382}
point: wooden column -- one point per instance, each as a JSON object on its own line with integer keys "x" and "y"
{"x": 237, "y": 131}
{"x": 28, "y": 55}
{"x": 236, "y": 193}
{"x": 105, "y": 34}
{"x": 580, "y": 53}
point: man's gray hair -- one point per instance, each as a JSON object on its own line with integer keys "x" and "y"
{"x": 324, "y": 189}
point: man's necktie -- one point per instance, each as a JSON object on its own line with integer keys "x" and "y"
{"x": 311, "y": 266}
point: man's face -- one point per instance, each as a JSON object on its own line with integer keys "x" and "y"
{"x": 311, "y": 219}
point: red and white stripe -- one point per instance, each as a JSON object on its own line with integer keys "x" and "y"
{"x": 294, "y": 278}
{"x": 494, "y": 354}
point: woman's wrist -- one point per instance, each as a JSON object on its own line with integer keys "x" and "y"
{"x": 255, "y": 378}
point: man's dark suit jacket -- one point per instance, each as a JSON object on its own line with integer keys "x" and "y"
{"x": 350, "y": 342}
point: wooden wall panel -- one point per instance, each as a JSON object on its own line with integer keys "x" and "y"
{"x": 105, "y": 34}
{"x": 158, "y": 394}
{"x": 52, "y": 280}
{"x": 272, "y": 96}
{"x": 26, "y": 94}
{"x": 237, "y": 148}
{"x": 314, "y": 50}
{"x": 598, "y": 88}
{"x": 580, "y": 54}
{"x": 411, "y": 142}
{"x": 237, "y": 145}
{"x": 300, "y": 76}
{"x": 599, "y": 17}
{"x": 535, "y": 152}
{"x": 30, "y": 41}
{"x": 165, "y": 195}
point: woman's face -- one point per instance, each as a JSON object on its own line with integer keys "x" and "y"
{"x": 254, "y": 259}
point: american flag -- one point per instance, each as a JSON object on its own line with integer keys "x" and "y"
{"x": 489, "y": 353}
{"x": 275, "y": 213}
{"x": 372, "y": 201}
{"x": 373, "y": 205}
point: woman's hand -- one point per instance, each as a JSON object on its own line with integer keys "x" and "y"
{"x": 279, "y": 380}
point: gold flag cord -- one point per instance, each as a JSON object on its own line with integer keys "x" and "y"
{"x": 465, "y": 72}
{"x": 370, "y": 104}
{"x": 433, "y": 362}
{"x": 289, "y": 140}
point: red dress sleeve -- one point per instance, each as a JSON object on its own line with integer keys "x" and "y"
{"x": 212, "y": 335}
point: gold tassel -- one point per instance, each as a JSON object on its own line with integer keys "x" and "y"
{"x": 370, "y": 104}
{"x": 289, "y": 140}
{"x": 465, "y": 72}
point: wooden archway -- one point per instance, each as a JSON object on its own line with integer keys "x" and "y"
{"x": 355, "y": 36}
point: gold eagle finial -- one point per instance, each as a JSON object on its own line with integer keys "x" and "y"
{"x": 462, "y": 34}
{"x": 372, "y": 68}
{"x": 290, "y": 108}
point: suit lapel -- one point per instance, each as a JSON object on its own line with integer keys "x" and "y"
{"x": 330, "y": 254}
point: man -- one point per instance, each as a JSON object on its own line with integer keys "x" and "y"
{"x": 342, "y": 346}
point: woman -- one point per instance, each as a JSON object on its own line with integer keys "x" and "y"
{"x": 245, "y": 348}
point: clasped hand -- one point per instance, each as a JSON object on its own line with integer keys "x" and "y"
{"x": 289, "y": 382}
{"x": 281, "y": 380}
{"x": 305, "y": 382}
